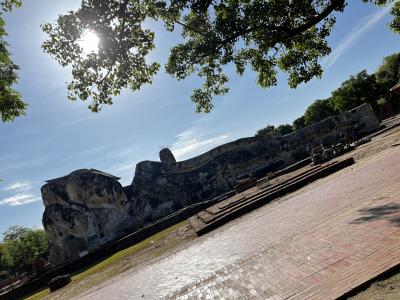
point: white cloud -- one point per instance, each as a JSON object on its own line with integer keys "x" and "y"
{"x": 18, "y": 186}
{"x": 22, "y": 195}
{"x": 19, "y": 199}
{"x": 354, "y": 35}
{"x": 189, "y": 144}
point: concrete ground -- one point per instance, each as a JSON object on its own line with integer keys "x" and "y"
{"x": 319, "y": 242}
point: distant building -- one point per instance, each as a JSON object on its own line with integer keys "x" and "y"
{"x": 396, "y": 89}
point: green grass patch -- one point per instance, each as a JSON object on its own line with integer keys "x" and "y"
{"x": 126, "y": 252}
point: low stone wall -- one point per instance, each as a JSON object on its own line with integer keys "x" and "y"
{"x": 88, "y": 208}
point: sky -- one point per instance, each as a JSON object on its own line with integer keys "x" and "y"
{"x": 59, "y": 136}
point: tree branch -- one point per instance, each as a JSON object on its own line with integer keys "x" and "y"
{"x": 334, "y": 5}
{"x": 191, "y": 28}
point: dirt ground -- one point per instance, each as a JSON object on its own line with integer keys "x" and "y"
{"x": 382, "y": 289}
{"x": 182, "y": 235}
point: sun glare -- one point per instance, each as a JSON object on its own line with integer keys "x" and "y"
{"x": 89, "y": 42}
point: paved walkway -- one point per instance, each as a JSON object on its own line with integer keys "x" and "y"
{"x": 318, "y": 244}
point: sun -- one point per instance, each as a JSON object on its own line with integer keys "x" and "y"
{"x": 89, "y": 42}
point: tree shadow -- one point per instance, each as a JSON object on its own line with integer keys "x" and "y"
{"x": 389, "y": 212}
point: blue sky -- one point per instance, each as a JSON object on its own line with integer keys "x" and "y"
{"x": 58, "y": 136}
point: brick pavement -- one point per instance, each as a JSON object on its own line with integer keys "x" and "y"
{"x": 318, "y": 244}
{"x": 321, "y": 263}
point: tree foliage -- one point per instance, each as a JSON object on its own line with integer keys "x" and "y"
{"x": 299, "y": 123}
{"x": 265, "y": 36}
{"x": 358, "y": 89}
{"x": 318, "y": 111}
{"x": 282, "y": 129}
{"x": 20, "y": 247}
{"x": 388, "y": 75}
{"x": 265, "y": 131}
{"x": 11, "y": 104}
{"x": 355, "y": 91}
{"x": 389, "y": 71}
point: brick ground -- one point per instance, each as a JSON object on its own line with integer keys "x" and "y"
{"x": 318, "y": 244}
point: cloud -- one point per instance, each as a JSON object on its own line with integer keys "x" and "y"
{"x": 19, "y": 199}
{"x": 189, "y": 145}
{"x": 18, "y": 186}
{"x": 22, "y": 195}
{"x": 354, "y": 35}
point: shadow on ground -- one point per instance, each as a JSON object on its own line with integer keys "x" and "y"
{"x": 389, "y": 212}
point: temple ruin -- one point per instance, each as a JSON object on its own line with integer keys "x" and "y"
{"x": 89, "y": 208}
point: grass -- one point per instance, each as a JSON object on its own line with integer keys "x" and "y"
{"x": 126, "y": 252}
{"x": 113, "y": 259}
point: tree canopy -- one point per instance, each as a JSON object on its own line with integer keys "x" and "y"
{"x": 281, "y": 130}
{"x": 299, "y": 123}
{"x": 358, "y": 89}
{"x": 20, "y": 247}
{"x": 388, "y": 75}
{"x": 265, "y": 36}
{"x": 11, "y": 104}
{"x": 318, "y": 111}
{"x": 265, "y": 131}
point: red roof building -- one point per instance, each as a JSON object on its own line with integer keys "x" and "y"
{"x": 396, "y": 88}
